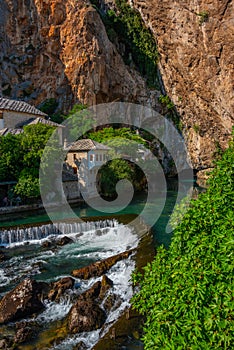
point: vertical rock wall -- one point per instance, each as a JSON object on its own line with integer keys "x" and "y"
{"x": 60, "y": 49}
{"x": 196, "y": 45}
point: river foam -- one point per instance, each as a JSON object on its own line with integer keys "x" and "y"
{"x": 107, "y": 239}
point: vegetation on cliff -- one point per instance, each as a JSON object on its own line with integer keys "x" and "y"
{"x": 187, "y": 291}
{"x": 127, "y": 27}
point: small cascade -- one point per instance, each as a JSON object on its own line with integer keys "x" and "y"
{"x": 20, "y": 235}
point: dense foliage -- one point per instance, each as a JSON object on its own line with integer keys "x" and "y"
{"x": 107, "y": 134}
{"x": 20, "y": 157}
{"x": 122, "y": 141}
{"x": 127, "y": 27}
{"x": 79, "y": 121}
{"x": 187, "y": 291}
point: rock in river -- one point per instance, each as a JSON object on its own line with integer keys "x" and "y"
{"x": 22, "y": 301}
{"x": 85, "y": 316}
{"x": 59, "y": 287}
{"x": 98, "y": 268}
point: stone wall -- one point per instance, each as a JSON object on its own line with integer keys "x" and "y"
{"x": 71, "y": 189}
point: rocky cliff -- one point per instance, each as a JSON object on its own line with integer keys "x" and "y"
{"x": 196, "y": 46}
{"x": 60, "y": 49}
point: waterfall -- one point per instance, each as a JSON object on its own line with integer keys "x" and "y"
{"x": 9, "y": 236}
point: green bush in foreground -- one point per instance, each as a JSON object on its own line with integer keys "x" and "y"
{"x": 187, "y": 291}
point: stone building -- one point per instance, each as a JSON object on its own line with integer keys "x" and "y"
{"x": 14, "y": 115}
{"x": 70, "y": 184}
{"x": 86, "y": 157}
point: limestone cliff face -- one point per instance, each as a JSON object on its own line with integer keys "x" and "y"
{"x": 60, "y": 49}
{"x": 196, "y": 45}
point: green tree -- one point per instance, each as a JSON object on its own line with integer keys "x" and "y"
{"x": 10, "y": 157}
{"x": 109, "y": 133}
{"x": 27, "y": 186}
{"x": 20, "y": 157}
{"x": 122, "y": 142}
{"x": 79, "y": 121}
{"x": 33, "y": 141}
{"x": 186, "y": 293}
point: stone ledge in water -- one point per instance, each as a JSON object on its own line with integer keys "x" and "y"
{"x": 25, "y": 331}
{"x": 85, "y": 316}
{"x": 64, "y": 241}
{"x": 59, "y": 287}
{"x": 24, "y": 300}
{"x": 99, "y": 268}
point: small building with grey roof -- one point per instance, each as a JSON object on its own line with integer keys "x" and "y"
{"x": 13, "y": 113}
{"x": 86, "y": 157}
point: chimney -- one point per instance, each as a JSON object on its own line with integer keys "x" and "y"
{"x": 1, "y": 120}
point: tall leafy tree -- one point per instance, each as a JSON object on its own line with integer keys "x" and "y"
{"x": 20, "y": 157}
{"x": 11, "y": 156}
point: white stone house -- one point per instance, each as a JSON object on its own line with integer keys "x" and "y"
{"x": 86, "y": 157}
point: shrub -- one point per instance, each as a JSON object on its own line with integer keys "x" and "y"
{"x": 203, "y": 17}
{"x": 187, "y": 291}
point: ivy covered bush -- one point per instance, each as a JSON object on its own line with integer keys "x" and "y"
{"x": 187, "y": 291}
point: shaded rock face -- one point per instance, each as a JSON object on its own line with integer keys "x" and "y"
{"x": 64, "y": 241}
{"x": 59, "y": 287}
{"x": 85, "y": 316}
{"x": 196, "y": 45}
{"x": 60, "y": 49}
{"x": 99, "y": 268}
{"x": 22, "y": 301}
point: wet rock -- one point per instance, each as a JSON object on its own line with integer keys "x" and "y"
{"x": 24, "y": 331}
{"x": 80, "y": 346}
{"x": 47, "y": 244}
{"x": 92, "y": 293}
{"x": 64, "y": 240}
{"x": 59, "y": 287}
{"x": 98, "y": 268}
{"x": 22, "y": 301}
{"x": 106, "y": 284}
{"x": 6, "y": 344}
{"x": 112, "y": 301}
{"x": 85, "y": 316}
{"x": 2, "y": 258}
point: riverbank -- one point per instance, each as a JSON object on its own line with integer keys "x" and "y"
{"x": 17, "y": 212}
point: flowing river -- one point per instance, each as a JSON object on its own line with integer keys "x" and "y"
{"x": 29, "y": 256}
